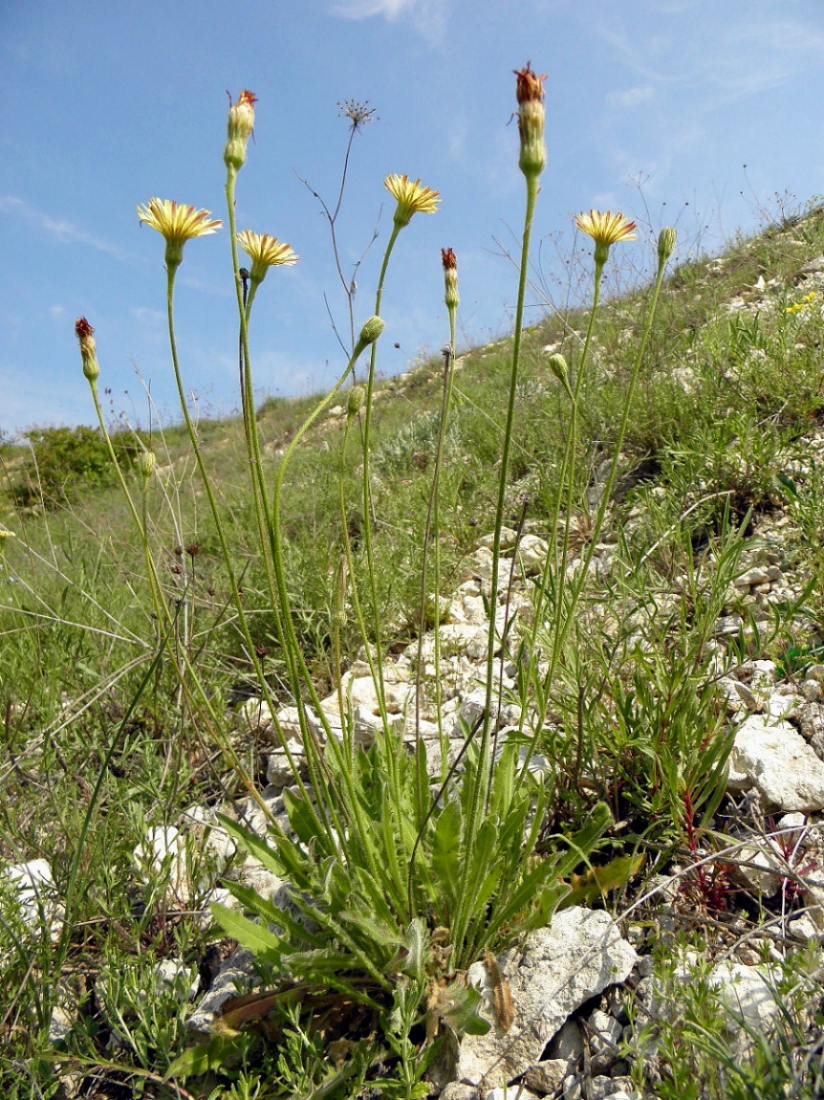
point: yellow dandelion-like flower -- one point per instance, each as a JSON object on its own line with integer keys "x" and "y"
{"x": 605, "y": 229}
{"x": 265, "y": 252}
{"x": 178, "y": 223}
{"x": 411, "y": 197}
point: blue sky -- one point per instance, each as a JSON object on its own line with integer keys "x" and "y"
{"x": 653, "y": 108}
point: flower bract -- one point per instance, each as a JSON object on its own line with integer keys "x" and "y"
{"x": 412, "y": 198}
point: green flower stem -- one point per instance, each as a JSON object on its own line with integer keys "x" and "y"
{"x": 432, "y": 533}
{"x": 166, "y": 622}
{"x": 565, "y": 618}
{"x": 224, "y": 743}
{"x": 483, "y": 777}
{"x": 299, "y": 673}
{"x": 566, "y": 481}
{"x": 359, "y": 819}
{"x": 161, "y": 610}
{"x": 265, "y": 523}
{"x": 367, "y": 492}
{"x": 481, "y": 784}
{"x": 391, "y": 762}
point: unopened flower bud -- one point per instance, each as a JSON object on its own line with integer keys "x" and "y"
{"x": 146, "y": 464}
{"x": 369, "y": 334}
{"x": 88, "y": 352}
{"x": 666, "y": 243}
{"x": 530, "y": 96}
{"x": 450, "y": 278}
{"x": 558, "y": 366}
{"x": 355, "y": 402}
{"x": 241, "y": 125}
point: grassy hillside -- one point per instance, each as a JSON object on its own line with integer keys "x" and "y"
{"x": 115, "y": 721}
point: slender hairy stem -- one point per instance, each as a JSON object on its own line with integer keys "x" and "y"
{"x": 565, "y": 615}
{"x": 484, "y": 770}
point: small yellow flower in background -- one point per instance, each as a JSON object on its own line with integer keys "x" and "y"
{"x": 605, "y": 229}
{"x": 265, "y": 252}
{"x": 7, "y": 534}
{"x": 529, "y": 92}
{"x": 88, "y": 352}
{"x": 411, "y": 197}
{"x": 178, "y": 223}
{"x": 803, "y": 303}
{"x": 241, "y": 125}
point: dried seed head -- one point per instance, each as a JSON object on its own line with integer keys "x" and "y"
{"x": 358, "y": 113}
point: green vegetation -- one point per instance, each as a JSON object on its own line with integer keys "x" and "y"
{"x": 152, "y": 583}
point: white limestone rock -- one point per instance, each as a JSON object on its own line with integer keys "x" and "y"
{"x": 774, "y": 758}
{"x": 34, "y": 890}
{"x": 551, "y": 974}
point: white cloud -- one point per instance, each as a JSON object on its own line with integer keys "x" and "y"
{"x": 427, "y": 16}
{"x": 622, "y": 101}
{"x": 62, "y": 231}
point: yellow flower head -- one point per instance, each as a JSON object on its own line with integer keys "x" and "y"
{"x": 265, "y": 252}
{"x": 178, "y": 223}
{"x": 411, "y": 197}
{"x": 605, "y": 229}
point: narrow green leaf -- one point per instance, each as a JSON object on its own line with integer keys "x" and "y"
{"x": 258, "y": 939}
{"x": 255, "y": 845}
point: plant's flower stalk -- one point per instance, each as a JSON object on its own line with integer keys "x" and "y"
{"x": 88, "y": 351}
{"x": 450, "y": 278}
{"x": 530, "y": 95}
{"x": 368, "y": 334}
{"x": 412, "y": 198}
{"x": 177, "y": 223}
{"x": 605, "y": 229}
{"x": 666, "y": 243}
{"x": 241, "y": 126}
{"x": 264, "y": 252}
